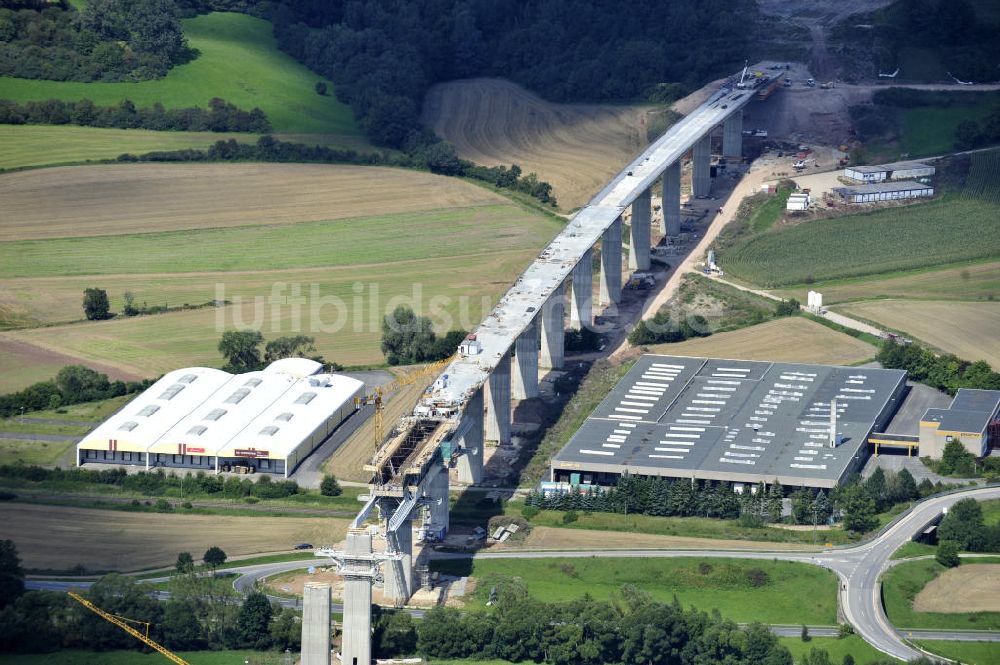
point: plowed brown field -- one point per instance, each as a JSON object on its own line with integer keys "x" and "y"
{"x": 575, "y": 147}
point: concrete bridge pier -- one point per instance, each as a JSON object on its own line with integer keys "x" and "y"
{"x": 498, "y": 403}
{"x": 553, "y": 329}
{"x": 732, "y": 135}
{"x": 581, "y": 311}
{"x": 672, "y": 200}
{"x": 316, "y": 624}
{"x": 356, "y": 647}
{"x": 524, "y": 377}
{"x": 398, "y": 575}
{"x": 701, "y": 167}
{"x": 642, "y": 211}
{"x": 611, "y": 264}
{"x": 469, "y": 436}
{"x": 436, "y": 493}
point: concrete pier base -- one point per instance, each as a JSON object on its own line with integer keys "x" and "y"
{"x": 436, "y": 492}
{"x": 524, "y": 373}
{"x": 498, "y": 403}
{"x": 553, "y": 329}
{"x": 638, "y": 256}
{"x": 316, "y": 624}
{"x": 470, "y": 437}
{"x": 732, "y": 135}
{"x": 671, "y": 204}
{"x": 356, "y": 646}
{"x": 701, "y": 179}
{"x": 611, "y": 264}
{"x": 581, "y": 311}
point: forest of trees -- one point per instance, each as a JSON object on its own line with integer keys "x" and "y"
{"x": 384, "y": 54}
{"x": 72, "y": 385}
{"x": 945, "y": 372}
{"x": 108, "y": 40}
{"x": 220, "y": 116}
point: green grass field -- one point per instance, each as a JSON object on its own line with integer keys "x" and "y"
{"x": 794, "y": 593}
{"x": 693, "y": 527}
{"x": 39, "y": 145}
{"x": 943, "y": 231}
{"x": 357, "y": 241}
{"x": 970, "y": 653}
{"x": 902, "y": 584}
{"x": 931, "y": 130}
{"x": 239, "y": 61}
{"x": 837, "y": 648}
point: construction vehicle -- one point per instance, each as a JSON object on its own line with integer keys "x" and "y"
{"x": 376, "y": 398}
{"x": 122, "y": 622}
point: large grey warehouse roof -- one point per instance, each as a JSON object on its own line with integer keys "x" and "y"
{"x": 970, "y": 411}
{"x": 889, "y": 186}
{"x": 732, "y": 420}
{"x": 894, "y": 166}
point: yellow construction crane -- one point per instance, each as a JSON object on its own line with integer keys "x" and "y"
{"x": 121, "y": 623}
{"x": 375, "y": 398}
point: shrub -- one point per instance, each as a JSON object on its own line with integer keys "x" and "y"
{"x": 947, "y": 554}
{"x": 330, "y": 487}
{"x": 528, "y": 512}
{"x": 569, "y": 517}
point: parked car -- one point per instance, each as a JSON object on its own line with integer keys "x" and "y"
{"x": 303, "y": 546}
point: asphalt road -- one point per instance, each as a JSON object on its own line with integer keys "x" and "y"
{"x": 859, "y": 568}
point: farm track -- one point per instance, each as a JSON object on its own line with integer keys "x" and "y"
{"x": 576, "y": 148}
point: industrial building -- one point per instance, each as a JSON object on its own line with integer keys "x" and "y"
{"x": 885, "y": 191}
{"x": 201, "y": 418}
{"x": 732, "y": 420}
{"x": 973, "y": 418}
{"x": 893, "y": 171}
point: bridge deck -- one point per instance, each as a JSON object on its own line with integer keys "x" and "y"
{"x": 522, "y": 302}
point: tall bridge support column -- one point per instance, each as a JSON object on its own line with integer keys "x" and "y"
{"x": 553, "y": 329}
{"x": 524, "y": 378}
{"x": 642, "y": 211}
{"x": 356, "y": 647}
{"x": 398, "y": 575}
{"x": 671, "y": 204}
{"x": 470, "y": 437}
{"x": 316, "y": 624}
{"x": 732, "y": 135}
{"x": 611, "y": 264}
{"x": 437, "y": 492}
{"x": 701, "y": 167}
{"x": 498, "y": 403}
{"x": 581, "y": 311}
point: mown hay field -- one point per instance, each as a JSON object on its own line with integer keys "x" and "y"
{"x": 342, "y": 244}
{"x": 121, "y": 199}
{"x": 61, "y": 538}
{"x": 971, "y": 587}
{"x": 576, "y": 148}
{"x": 791, "y": 339}
{"x": 238, "y": 61}
{"x": 969, "y": 330}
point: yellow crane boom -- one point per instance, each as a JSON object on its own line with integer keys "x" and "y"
{"x": 375, "y": 398}
{"x": 120, "y": 622}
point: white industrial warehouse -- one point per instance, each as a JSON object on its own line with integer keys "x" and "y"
{"x": 893, "y": 171}
{"x": 201, "y": 418}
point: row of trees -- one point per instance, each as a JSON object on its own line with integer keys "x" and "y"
{"x": 108, "y": 40}
{"x": 72, "y": 385}
{"x": 435, "y": 157}
{"x": 157, "y": 483}
{"x": 408, "y": 339}
{"x": 242, "y": 350}
{"x": 945, "y": 372}
{"x": 857, "y": 502}
{"x": 383, "y": 56}
{"x": 220, "y": 116}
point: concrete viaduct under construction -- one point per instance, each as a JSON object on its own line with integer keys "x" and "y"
{"x": 470, "y": 402}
